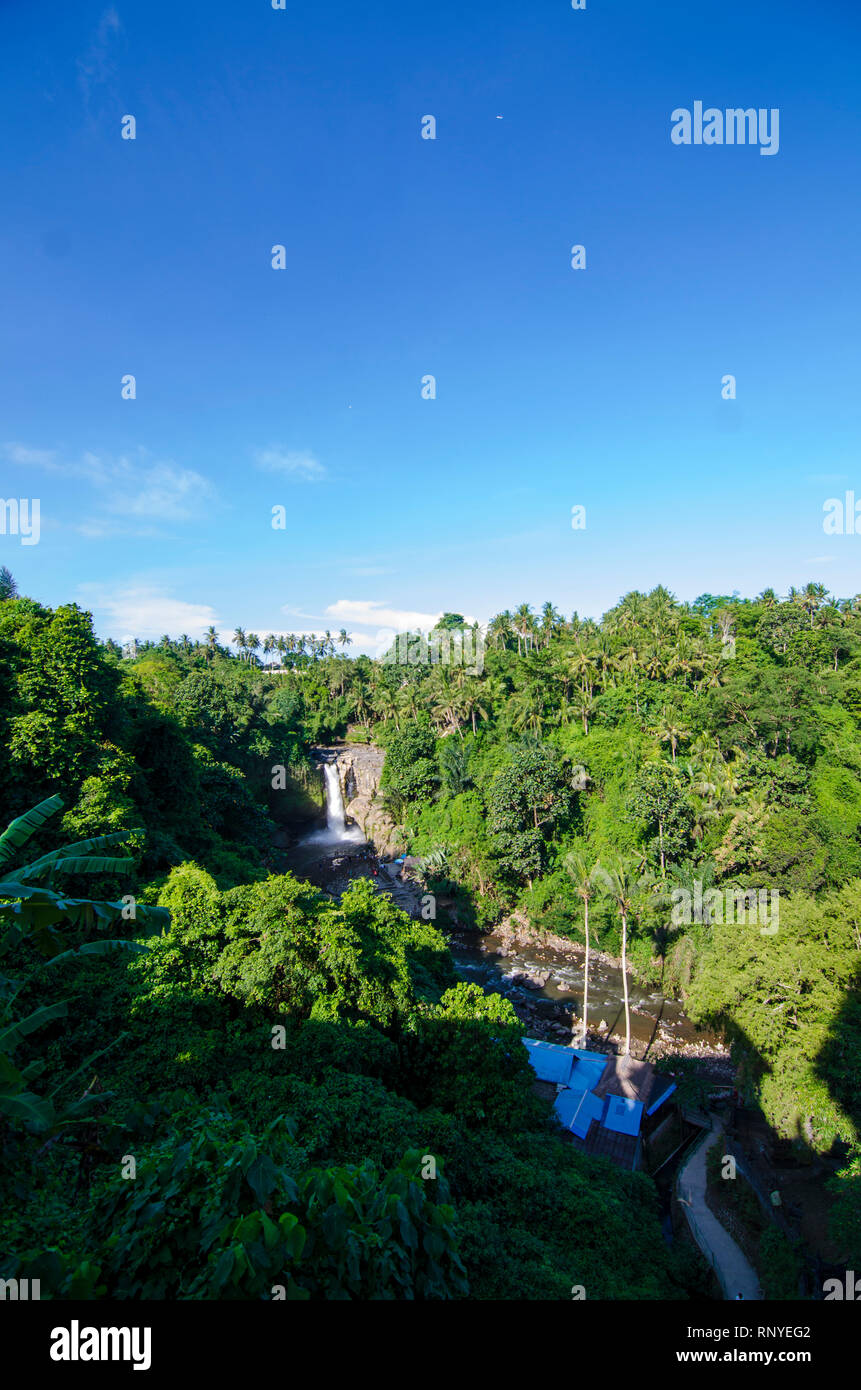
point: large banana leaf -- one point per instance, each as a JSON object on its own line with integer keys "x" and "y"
{"x": 79, "y": 866}
{"x": 20, "y": 830}
{"x": 100, "y": 948}
{"x": 34, "y": 1111}
{"x": 81, "y": 849}
{"x": 14, "y": 1032}
{"x": 11, "y": 888}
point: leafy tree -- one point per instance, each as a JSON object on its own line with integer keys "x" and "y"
{"x": 659, "y": 802}
{"x": 529, "y": 794}
{"x": 30, "y": 914}
{"x": 244, "y": 1217}
{"x": 410, "y": 772}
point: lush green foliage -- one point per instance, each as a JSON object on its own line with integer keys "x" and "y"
{"x": 716, "y": 744}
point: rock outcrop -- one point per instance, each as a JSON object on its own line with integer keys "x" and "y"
{"x": 360, "y": 767}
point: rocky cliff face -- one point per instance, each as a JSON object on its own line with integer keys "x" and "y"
{"x": 360, "y": 767}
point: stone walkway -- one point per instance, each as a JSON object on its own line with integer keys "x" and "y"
{"x": 734, "y": 1272}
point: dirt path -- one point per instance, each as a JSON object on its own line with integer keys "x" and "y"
{"x": 734, "y": 1272}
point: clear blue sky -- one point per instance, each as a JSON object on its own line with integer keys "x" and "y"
{"x": 405, "y": 257}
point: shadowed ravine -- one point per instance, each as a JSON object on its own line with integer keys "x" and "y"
{"x": 544, "y": 983}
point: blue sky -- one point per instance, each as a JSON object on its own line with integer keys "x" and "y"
{"x": 405, "y": 257}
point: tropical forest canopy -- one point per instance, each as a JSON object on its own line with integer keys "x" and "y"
{"x": 281, "y": 1066}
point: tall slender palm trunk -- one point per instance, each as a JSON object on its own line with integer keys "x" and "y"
{"x": 625, "y": 984}
{"x": 586, "y": 977}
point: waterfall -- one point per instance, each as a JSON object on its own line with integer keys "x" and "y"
{"x": 335, "y": 818}
{"x": 337, "y": 830}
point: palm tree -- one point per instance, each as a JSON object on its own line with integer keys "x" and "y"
{"x": 344, "y": 638}
{"x": 361, "y": 703}
{"x": 384, "y": 705}
{"x": 253, "y": 642}
{"x": 812, "y": 599}
{"x": 582, "y": 874}
{"x": 620, "y": 882}
{"x": 523, "y": 626}
{"x": 584, "y": 705}
{"x": 584, "y": 667}
{"x": 407, "y": 701}
{"x": 470, "y": 702}
{"x": 239, "y": 640}
{"x": 669, "y": 730}
{"x": 550, "y": 621}
{"x": 500, "y": 629}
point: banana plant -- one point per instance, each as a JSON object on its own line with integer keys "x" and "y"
{"x": 29, "y": 905}
{"x": 31, "y": 909}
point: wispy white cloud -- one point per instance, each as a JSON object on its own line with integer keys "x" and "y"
{"x": 378, "y": 613}
{"x": 95, "y": 67}
{"x": 151, "y": 490}
{"x": 137, "y": 487}
{"x": 299, "y": 464}
{"x": 145, "y": 611}
{"x": 23, "y": 456}
{"x": 374, "y": 623}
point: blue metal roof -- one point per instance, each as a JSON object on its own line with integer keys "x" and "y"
{"x": 589, "y": 1069}
{"x": 661, "y": 1098}
{"x": 566, "y": 1105}
{"x": 579, "y": 1071}
{"x": 590, "y": 1108}
{"x": 623, "y": 1115}
{"x": 550, "y": 1061}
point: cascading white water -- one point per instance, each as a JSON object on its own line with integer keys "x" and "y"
{"x": 335, "y": 818}
{"x": 337, "y": 830}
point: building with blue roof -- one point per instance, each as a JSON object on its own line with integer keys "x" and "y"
{"x": 612, "y": 1106}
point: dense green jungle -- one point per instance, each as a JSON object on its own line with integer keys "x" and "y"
{"x": 308, "y": 1097}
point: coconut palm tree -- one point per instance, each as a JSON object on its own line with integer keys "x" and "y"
{"x": 582, "y": 873}
{"x": 383, "y": 704}
{"x": 407, "y": 701}
{"x": 470, "y": 702}
{"x": 812, "y": 599}
{"x": 239, "y": 640}
{"x": 669, "y": 730}
{"x": 500, "y": 629}
{"x": 344, "y": 638}
{"x": 523, "y": 624}
{"x": 585, "y": 668}
{"x": 583, "y": 705}
{"x": 621, "y": 882}
{"x": 551, "y": 620}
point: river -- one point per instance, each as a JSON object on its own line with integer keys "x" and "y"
{"x": 544, "y": 983}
